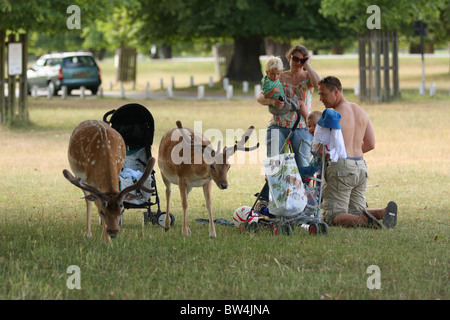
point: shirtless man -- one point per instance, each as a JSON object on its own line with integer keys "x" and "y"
{"x": 344, "y": 202}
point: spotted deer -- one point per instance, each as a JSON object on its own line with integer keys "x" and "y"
{"x": 96, "y": 154}
{"x": 189, "y": 173}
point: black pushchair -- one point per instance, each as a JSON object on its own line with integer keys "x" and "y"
{"x": 136, "y": 125}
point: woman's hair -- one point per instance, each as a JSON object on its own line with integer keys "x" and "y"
{"x": 274, "y": 63}
{"x": 297, "y": 48}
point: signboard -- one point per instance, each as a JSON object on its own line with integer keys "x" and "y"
{"x": 14, "y": 58}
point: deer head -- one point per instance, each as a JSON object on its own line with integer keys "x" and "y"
{"x": 110, "y": 204}
{"x": 217, "y": 160}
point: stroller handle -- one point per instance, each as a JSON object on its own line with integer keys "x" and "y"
{"x": 105, "y": 117}
{"x": 296, "y": 121}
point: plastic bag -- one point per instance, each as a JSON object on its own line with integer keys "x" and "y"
{"x": 287, "y": 195}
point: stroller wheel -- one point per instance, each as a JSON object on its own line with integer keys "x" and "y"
{"x": 248, "y": 227}
{"x": 162, "y": 216}
{"x": 313, "y": 228}
{"x": 276, "y": 230}
{"x": 287, "y": 229}
{"x": 323, "y": 227}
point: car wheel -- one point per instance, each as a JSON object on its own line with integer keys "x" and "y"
{"x": 94, "y": 90}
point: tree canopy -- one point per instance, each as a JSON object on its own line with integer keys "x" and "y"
{"x": 140, "y": 23}
{"x": 395, "y": 15}
{"x": 48, "y": 16}
{"x": 247, "y": 22}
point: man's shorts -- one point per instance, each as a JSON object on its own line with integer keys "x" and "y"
{"x": 344, "y": 189}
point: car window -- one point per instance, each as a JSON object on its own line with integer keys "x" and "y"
{"x": 53, "y": 62}
{"x": 78, "y": 61}
{"x": 39, "y": 63}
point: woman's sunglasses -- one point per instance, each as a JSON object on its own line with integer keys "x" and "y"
{"x": 298, "y": 60}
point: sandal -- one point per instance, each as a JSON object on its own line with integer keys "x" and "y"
{"x": 390, "y": 216}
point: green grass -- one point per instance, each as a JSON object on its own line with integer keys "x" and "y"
{"x": 42, "y": 216}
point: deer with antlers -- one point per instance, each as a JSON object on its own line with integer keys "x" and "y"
{"x": 178, "y": 152}
{"x": 96, "y": 154}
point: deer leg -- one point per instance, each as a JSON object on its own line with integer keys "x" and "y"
{"x": 168, "y": 192}
{"x": 207, "y": 193}
{"x": 88, "y": 232}
{"x": 184, "y": 191}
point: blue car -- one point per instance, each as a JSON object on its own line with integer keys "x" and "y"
{"x": 70, "y": 69}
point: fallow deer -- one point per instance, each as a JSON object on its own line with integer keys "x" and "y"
{"x": 189, "y": 173}
{"x": 96, "y": 154}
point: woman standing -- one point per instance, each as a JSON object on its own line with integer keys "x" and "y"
{"x": 299, "y": 83}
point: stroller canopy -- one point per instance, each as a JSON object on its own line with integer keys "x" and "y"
{"x": 136, "y": 125}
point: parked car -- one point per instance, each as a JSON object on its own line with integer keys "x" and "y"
{"x": 71, "y": 69}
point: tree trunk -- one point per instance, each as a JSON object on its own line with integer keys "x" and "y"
{"x": 278, "y": 49}
{"x": 245, "y": 65}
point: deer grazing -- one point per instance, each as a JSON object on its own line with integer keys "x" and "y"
{"x": 188, "y": 173}
{"x": 96, "y": 154}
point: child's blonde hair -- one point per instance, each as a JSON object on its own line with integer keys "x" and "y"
{"x": 274, "y": 63}
{"x": 314, "y": 115}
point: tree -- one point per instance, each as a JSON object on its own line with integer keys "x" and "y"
{"x": 48, "y": 16}
{"x": 247, "y": 22}
{"x": 395, "y": 15}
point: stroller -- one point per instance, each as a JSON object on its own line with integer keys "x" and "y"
{"x": 308, "y": 217}
{"x": 136, "y": 125}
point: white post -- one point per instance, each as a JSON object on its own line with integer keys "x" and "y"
{"x": 422, "y": 88}
{"x": 64, "y": 92}
{"x": 432, "y": 89}
{"x": 230, "y": 91}
{"x": 211, "y": 82}
{"x": 122, "y": 90}
{"x": 192, "y": 81}
{"x": 49, "y": 92}
{"x": 133, "y": 85}
{"x": 82, "y": 89}
{"x": 100, "y": 92}
{"x": 201, "y": 92}
{"x": 245, "y": 86}
{"x": 173, "y": 82}
{"x": 357, "y": 89}
{"x": 170, "y": 92}
{"x": 226, "y": 83}
{"x": 257, "y": 90}
{"x": 161, "y": 83}
{"x": 34, "y": 91}
{"x": 147, "y": 90}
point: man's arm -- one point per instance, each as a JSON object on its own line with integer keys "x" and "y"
{"x": 369, "y": 138}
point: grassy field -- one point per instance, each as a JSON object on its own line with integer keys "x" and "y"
{"x": 42, "y": 216}
{"x": 152, "y": 71}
